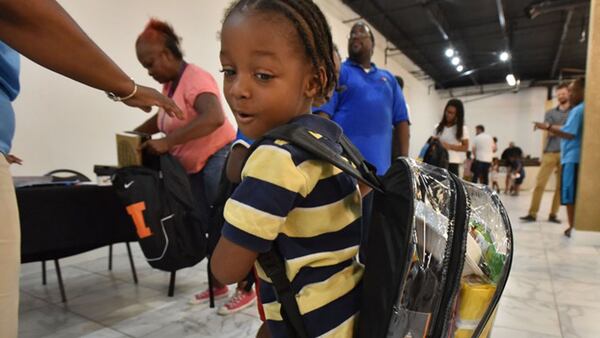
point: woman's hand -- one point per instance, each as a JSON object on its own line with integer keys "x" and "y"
{"x": 145, "y": 98}
{"x": 157, "y": 147}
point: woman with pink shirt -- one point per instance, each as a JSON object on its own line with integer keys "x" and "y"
{"x": 200, "y": 141}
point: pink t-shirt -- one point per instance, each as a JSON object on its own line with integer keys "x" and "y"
{"x": 194, "y": 154}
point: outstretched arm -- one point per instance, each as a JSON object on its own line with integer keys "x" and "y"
{"x": 43, "y": 31}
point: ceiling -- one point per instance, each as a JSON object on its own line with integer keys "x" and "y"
{"x": 424, "y": 29}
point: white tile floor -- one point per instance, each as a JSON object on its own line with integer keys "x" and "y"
{"x": 554, "y": 291}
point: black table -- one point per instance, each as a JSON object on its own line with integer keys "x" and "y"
{"x": 61, "y": 221}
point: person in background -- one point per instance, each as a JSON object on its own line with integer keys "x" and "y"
{"x": 556, "y": 116}
{"x": 467, "y": 166}
{"x": 202, "y": 139}
{"x": 245, "y": 294}
{"x": 453, "y": 134}
{"x": 509, "y": 155}
{"x": 35, "y": 29}
{"x": 570, "y": 148}
{"x": 483, "y": 148}
{"x": 517, "y": 175}
{"x": 494, "y": 173}
{"x": 370, "y": 107}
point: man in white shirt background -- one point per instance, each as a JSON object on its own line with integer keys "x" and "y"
{"x": 483, "y": 150}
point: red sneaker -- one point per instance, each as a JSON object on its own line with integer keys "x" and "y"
{"x": 204, "y": 296}
{"x": 240, "y": 300}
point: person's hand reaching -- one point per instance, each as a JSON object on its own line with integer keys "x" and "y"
{"x": 145, "y": 98}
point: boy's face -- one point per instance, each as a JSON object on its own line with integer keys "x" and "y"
{"x": 268, "y": 79}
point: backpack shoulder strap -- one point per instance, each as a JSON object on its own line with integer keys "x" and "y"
{"x": 354, "y": 165}
{"x": 273, "y": 265}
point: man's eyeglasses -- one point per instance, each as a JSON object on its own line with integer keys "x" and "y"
{"x": 359, "y": 35}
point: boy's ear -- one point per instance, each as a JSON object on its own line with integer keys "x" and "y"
{"x": 316, "y": 82}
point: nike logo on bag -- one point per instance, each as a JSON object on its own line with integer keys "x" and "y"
{"x": 127, "y": 185}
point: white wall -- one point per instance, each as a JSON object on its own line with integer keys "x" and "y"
{"x": 509, "y": 117}
{"x": 62, "y": 124}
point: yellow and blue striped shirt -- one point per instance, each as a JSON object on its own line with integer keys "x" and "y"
{"x": 311, "y": 212}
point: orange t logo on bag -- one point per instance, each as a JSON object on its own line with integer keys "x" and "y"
{"x": 136, "y": 212}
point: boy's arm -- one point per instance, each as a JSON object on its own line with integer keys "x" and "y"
{"x": 230, "y": 262}
{"x": 233, "y": 168}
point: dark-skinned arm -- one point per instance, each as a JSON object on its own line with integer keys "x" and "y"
{"x": 555, "y": 130}
{"x": 150, "y": 126}
{"x": 210, "y": 117}
{"x": 231, "y": 263}
{"x": 401, "y": 139}
{"x": 43, "y": 31}
{"x": 464, "y": 145}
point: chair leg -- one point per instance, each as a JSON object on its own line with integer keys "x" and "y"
{"x": 172, "y": 284}
{"x": 133, "y": 272}
{"x": 110, "y": 257}
{"x": 60, "y": 281}
{"x": 43, "y": 272}
{"x": 211, "y": 292}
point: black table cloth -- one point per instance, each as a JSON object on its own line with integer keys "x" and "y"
{"x": 61, "y": 221}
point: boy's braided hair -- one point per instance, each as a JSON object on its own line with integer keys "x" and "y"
{"x": 311, "y": 26}
{"x": 165, "y": 30}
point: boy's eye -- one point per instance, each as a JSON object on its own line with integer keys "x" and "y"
{"x": 263, "y": 76}
{"x": 227, "y": 72}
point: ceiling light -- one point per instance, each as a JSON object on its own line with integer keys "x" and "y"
{"x": 460, "y": 68}
{"x": 504, "y": 56}
{"x": 455, "y": 60}
{"x": 449, "y": 52}
{"x": 511, "y": 80}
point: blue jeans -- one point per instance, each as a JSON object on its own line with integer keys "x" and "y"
{"x": 205, "y": 183}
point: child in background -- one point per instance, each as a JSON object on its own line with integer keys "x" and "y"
{"x": 277, "y": 61}
{"x": 494, "y": 173}
{"x": 244, "y": 295}
{"x": 467, "y": 164}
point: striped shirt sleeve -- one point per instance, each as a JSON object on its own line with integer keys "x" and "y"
{"x": 271, "y": 187}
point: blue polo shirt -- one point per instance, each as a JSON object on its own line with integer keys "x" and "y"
{"x": 368, "y": 106}
{"x": 9, "y": 89}
{"x": 570, "y": 150}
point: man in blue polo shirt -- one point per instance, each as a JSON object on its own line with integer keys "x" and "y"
{"x": 369, "y": 106}
{"x": 570, "y": 148}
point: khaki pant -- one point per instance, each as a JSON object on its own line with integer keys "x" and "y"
{"x": 550, "y": 163}
{"x": 10, "y": 254}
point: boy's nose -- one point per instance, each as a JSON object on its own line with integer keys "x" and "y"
{"x": 240, "y": 88}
